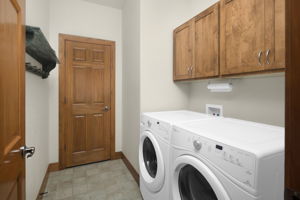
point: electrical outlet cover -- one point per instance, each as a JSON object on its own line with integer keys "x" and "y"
{"x": 214, "y": 110}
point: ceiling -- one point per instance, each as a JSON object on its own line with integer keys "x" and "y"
{"x": 110, "y": 3}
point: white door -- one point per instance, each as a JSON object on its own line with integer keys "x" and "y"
{"x": 193, "y": 180}
{"x": 151, "y": 162}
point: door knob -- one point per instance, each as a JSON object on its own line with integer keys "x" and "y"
{"x": 106, "y": 108}
{"x": 27, "y": 152}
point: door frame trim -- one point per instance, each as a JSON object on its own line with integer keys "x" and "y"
{"x": 62, "y": 97}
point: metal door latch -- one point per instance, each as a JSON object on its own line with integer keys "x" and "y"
{"x": 27, "y": 152}
{"x": 106, "y": 108}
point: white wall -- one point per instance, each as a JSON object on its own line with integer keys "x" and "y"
{"x": 131, "y": 80}
{"x": 259, "y": 99}
{"x": 158, "y": 20}
{"x": 37, "y": 14}
{"x": 147, "y": 51}
{"x": 37, "y": 107}
{"x": 147, "y": 75}
{"x": 84, "y": 18}
{"x": 36, "y": 132}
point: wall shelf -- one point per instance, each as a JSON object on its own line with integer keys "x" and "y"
{"x": 35, "y": 70}
{"x": 38, "y": 48}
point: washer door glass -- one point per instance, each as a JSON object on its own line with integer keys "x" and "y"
{"x": 193, "y": 185}
{"x": 150, "y": 158}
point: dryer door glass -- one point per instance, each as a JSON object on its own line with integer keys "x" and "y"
{"x": 193, "y": 185}
{"x": 150, "y": 158}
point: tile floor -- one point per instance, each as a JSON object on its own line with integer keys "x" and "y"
{"x": 109, "y": 180}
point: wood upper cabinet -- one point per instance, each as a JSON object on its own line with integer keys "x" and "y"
{"x": 184, "y": 51}
{"x": 242, "y": 36}
{"x": 207, "y": 43}
{"x": 230, "y": 38}
{"x": 252, "y": 36}
{"x": 275, "y": 34}
{"x": 196, "y": 46}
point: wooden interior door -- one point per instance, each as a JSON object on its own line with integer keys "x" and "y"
{"x": 292, "y": 99}
{"x": 184, "y": 51}
{"x": 12, "y": 102}
{"x": 275, "y": 34}
{"x": 207, "y": 43}
{"x": 88, "y": 101}
{"x": 242, "y": 36}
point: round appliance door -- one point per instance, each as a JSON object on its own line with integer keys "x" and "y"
{"x": 151, "y": 162}
{"x": 193, "y": 180}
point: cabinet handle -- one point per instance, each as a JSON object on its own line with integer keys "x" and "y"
{"x": 268, "y": 56}
{"x": 259, "y": 57}
{"x": 189, "y": 70}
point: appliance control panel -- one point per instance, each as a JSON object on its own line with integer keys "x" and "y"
{"x": 234, "y": 162}
{"x": 159, "y": 128}
{"x": 162, "y": 129}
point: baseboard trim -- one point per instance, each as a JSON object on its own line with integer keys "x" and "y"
{"x": 116, "y": 155}
{"x": 52, "y": 167}
{"x": 131, "y": 169}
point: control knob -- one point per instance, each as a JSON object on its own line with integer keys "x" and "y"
{"x": 197, "y": 145}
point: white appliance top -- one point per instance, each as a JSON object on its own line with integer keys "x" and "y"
{"x": 260, "y": 139}
{"x": 172, "y": 117}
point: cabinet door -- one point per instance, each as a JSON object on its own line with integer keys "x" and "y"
{"x": 207, "y": 43}
{"x": 183, "y": 51}
{"x": 275, "y": 34}
{"x": 242, "y": 36}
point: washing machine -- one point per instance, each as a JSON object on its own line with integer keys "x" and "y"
{"x": 154, "y": 151}
{"x": 227, "y": 159}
